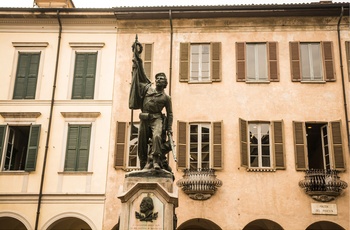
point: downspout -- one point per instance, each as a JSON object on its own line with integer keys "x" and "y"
{"x": 171, "y": 51}
{"x": 342, "y": 79}
{"x": 50, "y": 121}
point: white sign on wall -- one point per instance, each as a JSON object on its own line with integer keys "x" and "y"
{"x": 324, "y": 209}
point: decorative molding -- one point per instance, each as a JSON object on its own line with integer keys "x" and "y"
{"x": 261, "y": 170}
{"x": 81, "y": 114}
{"x": 87, "y": 44}
{"x": 20, "y": 115}
{"x": 77, "y": 173}
{"x": 30, "y": 44}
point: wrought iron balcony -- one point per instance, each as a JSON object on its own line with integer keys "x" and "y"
{"x": 199, "y": 185}
{"x": 322, "y": 185}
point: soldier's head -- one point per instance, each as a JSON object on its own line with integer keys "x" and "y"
{"x": 161, "y": 79}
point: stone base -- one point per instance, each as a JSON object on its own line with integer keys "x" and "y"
{"x": 145, "y": 187}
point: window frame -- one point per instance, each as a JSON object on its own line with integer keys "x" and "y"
{"x": 27, "y": 47}
{"x": 200, "y": 144}
{"x": 259, "y": 146}
{"x": 256, "y": 63}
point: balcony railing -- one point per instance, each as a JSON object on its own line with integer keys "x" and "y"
{"x": 322, "y": 185}
{"x": 199, "y": 185}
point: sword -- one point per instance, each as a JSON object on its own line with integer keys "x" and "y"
{"x": 172, "y": 145}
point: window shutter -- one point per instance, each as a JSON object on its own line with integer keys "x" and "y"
{"x": 90, "y": 75}
{"x": 2, "y": 139}
{"x": 347, "y": 46}
{"x": 273, "y": 61}
{"x": 328, "y": 61}
{"x": 337, "y": 146}
{"x": 26, "y": 76}
{"x": 184, "y": 61}
{"x": 277, "y": 127}
{"x": 84, "y": 147}
{"x": 217, "y": 145}
{"x": 301, "y": 160}
{"x": 181, "y": 145}
{"x": 72, "y": 147}
{"x": 120, "y": 145}
{"x": 78, "y": 81}
{"x": 216, "y": 61}
{"x": 32, "y": 150}
{"x": 295, "y": 61}
{"x": 243, "y": 134}
{"x": 240, "y": 61}
{"x": 147, "y": 59}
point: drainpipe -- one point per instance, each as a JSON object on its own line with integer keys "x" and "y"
{"x": 50, "y": 121}
{"x": 342, "y": 79}
{"x": 171, "y": 51}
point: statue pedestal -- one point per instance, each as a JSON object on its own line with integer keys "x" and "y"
{"x": 148, "y": 201}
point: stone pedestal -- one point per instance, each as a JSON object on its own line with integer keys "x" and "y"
{"x": 148, "y": 201}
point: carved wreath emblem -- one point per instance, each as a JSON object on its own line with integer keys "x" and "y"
{"x": 146, "y": 210}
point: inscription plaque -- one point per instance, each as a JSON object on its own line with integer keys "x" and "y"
{"x": 324, "y": 209}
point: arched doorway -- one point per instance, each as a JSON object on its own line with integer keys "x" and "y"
{"x": 9, "y": 223}
{"x": 198, "y": 224}
{"x": 324, "y": 225}
{"x": 69, "y": 223}
{"x": 263, "y": 224}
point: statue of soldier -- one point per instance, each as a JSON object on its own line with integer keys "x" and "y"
{"x": 154, "y": 125}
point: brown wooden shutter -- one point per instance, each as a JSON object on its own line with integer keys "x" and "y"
{"x": 295, "y": 61}
{"x": 277, "y": 127}
{"x": 273, "y": 61}
{"x": 184, "y": 61}
{"x": 181, "y": 145}
{"x": 347, "y": 47}
{"x": 328, "y": 63}
{"x": 217, "y": 145}
{"x": 243, "y": 139}
{"x": 120, "y": 145}
{"x": 337, "y": 145}
{"x": 301, "y": 160}
{"x": 240, "y": 61}
{"x": 216, "y": 61}
{"x": 147, "y": 59}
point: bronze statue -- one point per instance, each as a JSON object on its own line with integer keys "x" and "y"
{"x": 154, "y": 125}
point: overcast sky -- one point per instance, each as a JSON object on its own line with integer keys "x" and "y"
{"x": 118, "y": 3}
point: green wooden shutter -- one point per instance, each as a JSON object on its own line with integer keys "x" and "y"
{"x": 84, "y": 76}
{"x": 217, "y": 145}
{"x": 215, "y": 61}
{"x": 328, "y": 62}
{"x": 181, "y": 145}
{"x": 243, "y": 140}
{"x": 184, "y": 62}
{"x": 26, "y": 76}
{"x": 300, "y": 149}
{"x": 273, "y": 61}
{"x": 72, "y": 147}
{"x": 2, "y": 139}
{"x": 240, "y": 61}
{"x": 294, "y": 48}
{"x": 347, "y": 47}
{"x": 33, "y": 146}
{"x": 337, "y": 146}
{"x": 120, "y": 145}
{"x": 277, "y": 127}
{"x": 147, "y": 59}
{"x": 84, "y": 148}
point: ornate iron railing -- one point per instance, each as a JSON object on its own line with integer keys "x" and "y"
{"x": 322, "y": 184}
{"x": 200, "y": 184}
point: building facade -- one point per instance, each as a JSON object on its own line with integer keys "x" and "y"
{"x": 259, "y": 96}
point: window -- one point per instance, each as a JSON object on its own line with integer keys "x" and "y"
{"x": 26, "y": 75}
{"x": 19, "y": 147}
{"x": 347, "y": 46}
{"x": 78, "y": 148}
{"x": 201, "y": 147}
{"x": 84, "y": 75}
{"x": 312, "y": 61}
{"x": 127, "y": 136}
{"x": 261, "y": 145}
{"x": 257, "y": 62}
{"x": 318, "y": 145}
{"x": 200, "y": 62}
